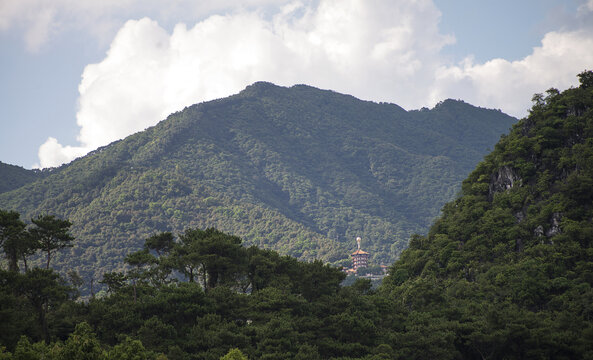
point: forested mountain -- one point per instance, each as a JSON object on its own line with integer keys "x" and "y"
{"x": 507, "y": 271}
{"x": 300, "y": 170}
{"x": 13, "y": 177}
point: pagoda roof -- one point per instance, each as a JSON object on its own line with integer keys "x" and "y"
{"x": 360, "y": 252}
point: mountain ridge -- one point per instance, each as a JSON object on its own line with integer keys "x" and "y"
{"x": 506, "y": 271}
{"x": 13, "y": 177}
{"x": 298, "y": 169}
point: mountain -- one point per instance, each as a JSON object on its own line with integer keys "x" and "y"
{"x": 300, "y": 170}
{"x": 13, "y": 177}
{"x": 507, "y": 271}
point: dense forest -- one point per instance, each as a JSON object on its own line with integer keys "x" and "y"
{"x": 507, "y": 270}
{"x": 505, "y": 273}
{"x": 13, "y": 177}
{"x": 299, "y": 170}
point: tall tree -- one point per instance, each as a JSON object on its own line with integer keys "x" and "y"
{"x": 141, "y": 261}
{"x": 28, "y": 245}
{"x": 162, "y": 264}
{"x": 219, "y": 258}
{"x": 13, "y": 238}
{"x": 44, "y": 289}
{"x": 82, "y": 344}
{"x": 52, "y": 234}
{"x": 161, "y": 243}
{"x": 114, "y": 281}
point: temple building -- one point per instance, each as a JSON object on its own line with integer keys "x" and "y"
{"x": 360, "y": 258}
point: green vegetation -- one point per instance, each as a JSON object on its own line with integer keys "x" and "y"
{"x": 505, "y": 273}
{"x": 203, "y": 296}
{"x": 13, "y": 177}
{"x": 298, "y": 170}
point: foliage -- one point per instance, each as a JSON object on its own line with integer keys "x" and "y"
{"x": 298, "y": 170}
{"x": 82, "y": 344}
{"x": 506, "y": 272}
{"x": 13, "y": 239}
{"x": 234, "y": 354}
{"x": 51, "y": 234}
{"x": 13, "y": 177}
{"x": 263, "y": 306}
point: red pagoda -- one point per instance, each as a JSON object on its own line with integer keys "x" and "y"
{"x": 360, "y": 258}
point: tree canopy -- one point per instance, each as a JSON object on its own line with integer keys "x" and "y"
{"x": 505, "y": 273}
{"x": 298, "y": 170}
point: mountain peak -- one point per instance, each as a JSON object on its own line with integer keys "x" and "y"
{"x": 260, "y": 88}
{"x": 514, "y": 250}
{"x": 297, "y": 169}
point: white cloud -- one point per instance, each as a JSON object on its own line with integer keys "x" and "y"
{"x": 51, "y": 153}
{"x": 381, "y": 50}
{"x": 41, "y": 20}
{"x": 507, "y": 85}
{"x": 378, "y": 50}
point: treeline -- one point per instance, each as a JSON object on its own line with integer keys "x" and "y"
{"x": 505, "y": 273}
{"x": 298, "y": 170}
{"x": 47, "y": 234}
{"x": 195, "y": 297}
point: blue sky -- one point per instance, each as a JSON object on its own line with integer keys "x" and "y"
{"x": 77, "y": 75}
{"x": 507, "y": 29}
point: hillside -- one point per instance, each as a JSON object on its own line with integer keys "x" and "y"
{"x": 300, "y": 170}
{"x": 13, "y": 177}
{"x": 507, "y": 270}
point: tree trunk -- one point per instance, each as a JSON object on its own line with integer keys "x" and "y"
{"x": 43, "y": 322}
{"x": 13, "y": 261}
{"x": 25, "y": 262}
{"x": 204, "y": 279}
{"x": 48, "y": 258}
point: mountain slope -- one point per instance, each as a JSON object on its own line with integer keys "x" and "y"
{"x": 300, "y": 170}
{"x": 13, "y": 177}
{"x": 507, "y": 271}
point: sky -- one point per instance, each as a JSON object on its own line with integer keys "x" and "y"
{"x": 79, "y": 74}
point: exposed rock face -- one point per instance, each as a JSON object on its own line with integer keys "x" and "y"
{"x": 519, "y": 216}
{"x": 504, "y": 179}
{"x": 554, "y": 225}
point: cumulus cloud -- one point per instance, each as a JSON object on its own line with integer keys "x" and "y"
{"x": 508, "y": 85}
{"x": 377, "y": 50}
{"x": 41, "y": 20}
{"x": 381, "y": 50}
{"x": 51, "y": 153}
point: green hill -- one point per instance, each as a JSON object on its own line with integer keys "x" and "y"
{"x": 507, "y": 271}
{"x": 300, "y": 170}
{"x": 13, "y": 177}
